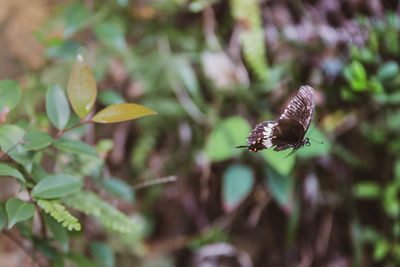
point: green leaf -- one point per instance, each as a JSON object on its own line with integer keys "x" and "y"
{"x": 75, "y": 17}
{"x": 58, "y": 211}
{"x": 110, "y": 217}
{"x": 74, "y": 146}
{"x": 18, "y": 210}
{"x": 388, "y": 71}
{"x": 10, "y": 136}
{"x": 237, "y": 183}
{"x": 122, "y": 112}
{"x": 223, "y": 139}
{"x": 110, "y": 34}
{"x": 390, "y": 201}
{"x": 6, "y": 170}
{"x": 57, "y": 107}
{"x": 79, "y": 260}
{"x": 102, "y": 254}
{"x": 65, "y": 49}
{"x": 367, "y": 190}
{"x": 187, "y": 75}
{"x": 38, "y": 172}
{"x": 10, "y": 94}
{"x": 81, "y": 89}
{"x": 35, "y": 140}
{"x": 3, "y": 216}
{"x": 381, "y": 249}
{"x": 118, "y": 188}
{"x": 110, "y": 97}
{"x": 280, "y": 186}
{"x": 58, "y": 232}
{"x": 58, "y": 185}
{"x": 356, "y": 75}
{"x": 278, "y": 160}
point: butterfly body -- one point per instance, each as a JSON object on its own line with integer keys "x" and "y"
{"x": 289, "y": 130}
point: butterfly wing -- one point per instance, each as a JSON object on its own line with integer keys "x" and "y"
{"x": 261, "y": 136}
{"x": 301, "y": 108}
{"x": 295, "y": 120}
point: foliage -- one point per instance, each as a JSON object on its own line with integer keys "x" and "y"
{"x": 60, "y": 214}
{"x": 26, "y": 147}
{"x": 212, "y": 70}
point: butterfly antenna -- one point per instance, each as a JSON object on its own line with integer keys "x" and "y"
{"x": 291, "y": 153}
{"x": 319, "y": 142}
{"x": 313, "y": 128}
{"x": 242, "y": 147}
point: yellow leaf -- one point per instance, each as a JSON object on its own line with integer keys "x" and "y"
{"x": 81, "y": 89}
{"x": 122, "y": 112}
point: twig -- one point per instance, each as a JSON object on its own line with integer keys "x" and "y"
{"x": 17, "y": 242}
{"x": 162, "y": 180}
{"x": 61, "y": 132}
{"x": 19, "y": 142}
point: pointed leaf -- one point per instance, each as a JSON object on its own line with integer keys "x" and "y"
{"x": 3, "y": 216}
{"x": 18, "y": 210}
{"x": 280, "y": 186}
{"x": 237, "y": 183}
{"x": 10, "y": 136}
{"x": 102, "y": 254}
{"x": 57, "y": 230}
{"x": 81, "y": 89}
{"x": 6, "y": 170}
{"x": 225, "y": 136}
{"x": 110, "y": 34}
{"x": 58, "y": 185}
{"x": 57, "y": 107}
{"x": 279, "y": 161}
{"x": 35, "y": 140}
{"x": 74, "y": 146}
{"x": 75, "y": 17}
{"x": 122, "y": 112}
{"x": 118, "y": 188}
{"x": 10, "y": 94}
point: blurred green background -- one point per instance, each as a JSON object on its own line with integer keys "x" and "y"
{"x": 213, "y": 69}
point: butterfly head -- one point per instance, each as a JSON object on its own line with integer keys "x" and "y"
{"x": 306, "y": 142}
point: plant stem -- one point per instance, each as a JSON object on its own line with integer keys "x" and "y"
{"x": 61, "y": 132}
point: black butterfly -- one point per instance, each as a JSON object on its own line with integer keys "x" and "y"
{"x": 289, "y": 130}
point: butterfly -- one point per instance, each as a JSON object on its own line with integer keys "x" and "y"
{"x": 289, "y": 130}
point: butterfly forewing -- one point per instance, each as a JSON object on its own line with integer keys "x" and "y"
{"x": 301, "y": 108}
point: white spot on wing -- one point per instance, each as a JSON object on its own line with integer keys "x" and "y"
{"x": 267, "y": 143}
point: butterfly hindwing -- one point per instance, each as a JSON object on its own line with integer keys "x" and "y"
{"x": 261, "y": 136}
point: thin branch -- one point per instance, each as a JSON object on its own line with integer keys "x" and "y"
{"x": 17, "y": 242}
{"x": 162, "y": 180}
{"x": 61, "y": 132}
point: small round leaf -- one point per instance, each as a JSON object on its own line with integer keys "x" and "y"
{"x": 18, "y": 210}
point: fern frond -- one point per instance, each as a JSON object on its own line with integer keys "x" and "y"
{"x": 248, "y": 13}
{"x": 58, "y": 211}
{"x": 108, "y": 215}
